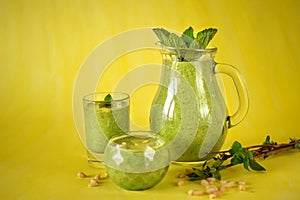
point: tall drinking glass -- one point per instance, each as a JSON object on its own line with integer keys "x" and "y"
{"x": 106, "y": 114}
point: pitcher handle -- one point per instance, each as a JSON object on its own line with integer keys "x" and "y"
{"x": 242, "y": 92}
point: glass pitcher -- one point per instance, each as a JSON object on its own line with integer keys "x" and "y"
{"x": 188, "y": 110}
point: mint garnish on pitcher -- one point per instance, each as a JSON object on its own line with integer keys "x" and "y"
{"x": 187, "y": 40}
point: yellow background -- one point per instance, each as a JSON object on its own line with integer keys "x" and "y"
{"x": 44, "y": 43}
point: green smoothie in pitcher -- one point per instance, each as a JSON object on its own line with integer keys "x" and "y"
{"x": 209, "y": 116}
{"x": 188, "y": 110}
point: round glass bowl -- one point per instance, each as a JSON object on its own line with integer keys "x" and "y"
{"x": 136, "y": 161}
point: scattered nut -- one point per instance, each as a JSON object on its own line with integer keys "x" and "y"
{"x": 204, "y": 182}
{"x": 211, "y": 189}
{"x": 93, "y": 183}
{"x": 198, "y": 192}
{"x": 212, "y": 196}
{"x": 222, "y": 189}
{"x": 242, "y": 182}
{"x": 81, "y": 175}
{"x": 211, "y": 186}
{"x": 181, "y": 175}
{"x": 93, "y": 180}
{"x": 211, "y": 179}
{"x": 190, "y": 192}
{"x": 242, "y": 187}
{"x": 97, "y": 177}
{"x": 180, "y": 183}
{"x": 229, "y": 184}
{"x": 188, "y": 171}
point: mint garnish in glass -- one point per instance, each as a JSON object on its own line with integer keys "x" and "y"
{"x": 107, "y": 101}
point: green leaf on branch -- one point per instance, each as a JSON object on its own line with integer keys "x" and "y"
{"x": 246, "y": 164}
{"x": 217, "y": 175}
{"x": 242, "y": 155}
{"x": 236, "y": 147}
{"x": 256, "y": 166}
{"x": 218, "y": 163}
{"x": 235, "y": 161}
{"x": 297, "y": 145}
{"x": 268, "y": 141}
{"x": 239, "y": 155}
{"x": 198, "y": 174}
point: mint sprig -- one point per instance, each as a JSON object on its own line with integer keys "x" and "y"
{"x": 108, "y": 98}
{"x": 106, "y": 101}
{"x": 186, "y": 40}
{"x": 243, "y": 156}
{"x": 238, "y": 154}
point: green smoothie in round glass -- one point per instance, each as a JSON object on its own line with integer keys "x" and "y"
{"x": 106, "y": 115}
{"x": 137, "y": 161}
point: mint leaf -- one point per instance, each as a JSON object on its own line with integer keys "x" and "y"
{"x": 163, "y": 35}
{"x": 188, "y": 36}
{"x": 256, "y": 166}
{"x": 236, "y": 147}
{"x": 189, "y": 32}
{"x": 246, "y": 164}
{"x": 108, "y": 98}
{"x": 267, "y": 140}
{"x": 217, "y": 175}
{"x": 205, "y": 36}
{"x": 235, "y": 161}
{"x": 198, "y": 174}
{"x": 106, "y": 101}
{"x": 200, "y": 42}
{"x": 176, "y": 41}
{"x": 186, "y": 41}
{"x": 194, "y": 45}
{"x": 250, "y": 155}
{"x": 218, "y": 163}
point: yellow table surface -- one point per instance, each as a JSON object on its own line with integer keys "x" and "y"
{"x": 46, "y": 168}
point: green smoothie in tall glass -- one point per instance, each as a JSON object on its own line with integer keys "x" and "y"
{"x": 103, "y": 120}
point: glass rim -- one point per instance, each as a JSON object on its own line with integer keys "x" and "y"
{"x": 85, "y": 97}
{"x": 137, "y": 133}
{"x": 210, "y": 49}
{"x": 141, "y": 134}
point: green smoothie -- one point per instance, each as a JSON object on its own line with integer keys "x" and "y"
{"x": 136, "y": 162}
{"x": 188, "y": 110}
{"x": 104, "y": 120}
{"x": 209, "y": 113}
